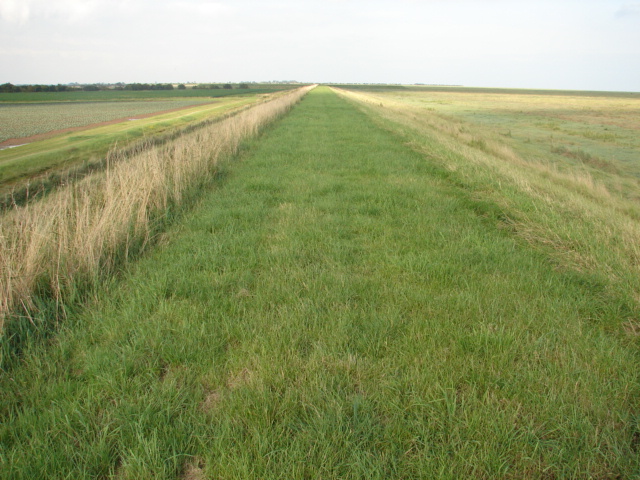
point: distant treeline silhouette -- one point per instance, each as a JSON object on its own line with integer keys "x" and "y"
{"x": 10, "y": 88}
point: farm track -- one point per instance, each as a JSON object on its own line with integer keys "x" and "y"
{"x": 337, "y": 307}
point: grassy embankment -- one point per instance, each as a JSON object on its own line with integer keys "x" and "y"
{"x": 581, "y": 209}
{"x": 58, "y": 248}
{"x": 400, "y": 88}
{"x": 598, "y": 130}
{"x": 46, "y": 161}
{"x": 341, "y": 306}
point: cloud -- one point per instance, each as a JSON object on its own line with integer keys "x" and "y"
{"x": 198, "y": 8}
{"x": 14, "y": 11}
{"x": 629, "y": 10}
{"x": 22, "y": 11}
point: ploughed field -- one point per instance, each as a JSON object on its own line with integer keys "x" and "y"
{"x": 374, "y": 287}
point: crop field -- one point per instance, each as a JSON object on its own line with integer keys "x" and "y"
{"x": 27, "y": 119}
{"x": 37, "y": 160}
{"x": 337, "y": 283}
{"x": 133, "y": 95}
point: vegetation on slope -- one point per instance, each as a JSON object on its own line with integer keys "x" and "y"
{"x": 586, "y": 219}
{"x": 53, "y": 250}
{"x": 340, "y": 306}
{"x": 30, "y": 169}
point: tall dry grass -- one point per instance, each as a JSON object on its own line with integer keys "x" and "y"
{"x": 69, "y": 240}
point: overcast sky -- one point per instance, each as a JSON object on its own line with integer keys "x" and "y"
{"x": 568, "y": 44}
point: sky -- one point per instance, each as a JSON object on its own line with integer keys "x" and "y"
{"x": 552, "y": 44}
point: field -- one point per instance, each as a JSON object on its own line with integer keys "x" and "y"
{"x": 383, "y": 283}
{"x": 27, "y": 119}
{"x": 567, "y": 129}
{"x": 134, "y": 95}
{"x": 564, "y": 170}
{"x": 38, "y": 159}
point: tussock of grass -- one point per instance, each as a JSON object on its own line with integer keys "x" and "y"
{"x": 66, "y": 243}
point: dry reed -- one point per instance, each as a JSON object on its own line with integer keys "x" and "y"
{"x": 66, "y": 242}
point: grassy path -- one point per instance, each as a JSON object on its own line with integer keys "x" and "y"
{"x": 336, "y": 308}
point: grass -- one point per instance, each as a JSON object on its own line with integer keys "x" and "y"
{"x": 56, "y": 249}
{"x": 535, "y": 122}
{"x": 340, "y": 305}
{"x": 484, "y": 90}
{"x": 573, "y": 204}
{"x": 37, "y": 160}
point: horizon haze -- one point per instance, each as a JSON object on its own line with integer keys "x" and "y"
{"x": 576, "y": 45}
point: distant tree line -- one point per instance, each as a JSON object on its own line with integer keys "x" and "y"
{"x": 10, "y": 88}
{"x": 146, "y": 86}
{"x": 212, "y": 86}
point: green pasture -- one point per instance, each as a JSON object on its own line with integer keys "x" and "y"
{"x": 338, "y": 305}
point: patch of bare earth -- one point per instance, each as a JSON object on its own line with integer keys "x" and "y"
{"x": 214, "y": 397}
{"x": 194, "y": 470}
{"x": 211, "y": 401}
{"x": 632, "y": 328}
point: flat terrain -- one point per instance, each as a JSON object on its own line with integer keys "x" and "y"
{"x": 608, "y": 127}
{"x": 594, "y": 131}
{"x": 67, "y": 148}
{"x": 21, "y": 120}
{"x": 353, "y": 299}
{"x": 135, "y": 95}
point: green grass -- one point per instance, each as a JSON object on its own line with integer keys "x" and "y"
{"x": 339, "y": 306}
{"x": 576, "y": 204}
